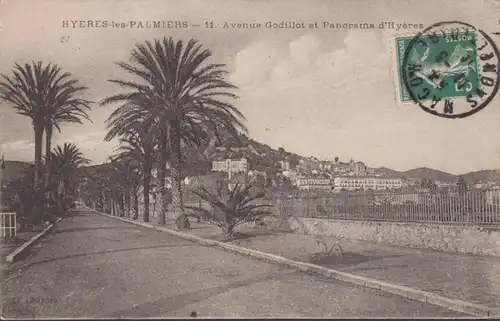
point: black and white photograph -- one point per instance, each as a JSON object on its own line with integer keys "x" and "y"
{"x": 249, "y": 159}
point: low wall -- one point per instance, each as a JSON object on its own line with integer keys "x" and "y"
{"x": 440, "y": 237}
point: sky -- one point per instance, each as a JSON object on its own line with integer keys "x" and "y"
{"x": 316, "y": 92}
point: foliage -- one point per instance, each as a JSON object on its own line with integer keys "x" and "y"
{"x": 20, "y": 195}
{"x": 231, "y": 210}
{"x": 462, "y": 185}
{"x": 65, "y": 178}
{"x": 180, "y": 97}
{"x": 46, "y": 95}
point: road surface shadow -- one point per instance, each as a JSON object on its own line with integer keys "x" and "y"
{"x": 20, "y": 265}
{"x": 83, "y": 229}
{"x": 348, "y": 259}
{"x": 246, "y": 236}
{"x": 168, "y": 304}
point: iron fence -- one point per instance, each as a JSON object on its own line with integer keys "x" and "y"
{"x": 479, "y": 207}
{"x": 474, "y": 207}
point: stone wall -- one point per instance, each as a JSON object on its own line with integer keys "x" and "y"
{"x": 440, "y": 237}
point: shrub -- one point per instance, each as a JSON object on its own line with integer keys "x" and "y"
{"x": 231, "y": 210}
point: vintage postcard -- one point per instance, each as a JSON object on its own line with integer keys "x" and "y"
{"x": 249, "y": 158}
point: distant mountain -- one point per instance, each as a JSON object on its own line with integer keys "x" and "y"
{"x": 388, "y": 172}
{"x": 429, "y": 173}
{"x": 484, "y": 175}
{"x": 436, "y": 175}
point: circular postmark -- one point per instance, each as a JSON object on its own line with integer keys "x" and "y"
{"x": 451, "y": 69}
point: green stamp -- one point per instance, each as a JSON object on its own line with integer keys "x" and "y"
{"x": 443, "y": 67}
{"x": 451, "y": 69}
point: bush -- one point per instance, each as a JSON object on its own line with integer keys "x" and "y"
{"x": 231, "y": 210}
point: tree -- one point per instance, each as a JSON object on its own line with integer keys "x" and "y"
{"x": 231, "y": 209}
{"x": 137, "y": 152}
{"x": 46, "y": 96}
{"x": 183, "y": 97}
{"x": 65, "y": 161}
{"x": 124, "y": 182}
{"x": 19, "y": 195}
{"x": 62, "y": 106}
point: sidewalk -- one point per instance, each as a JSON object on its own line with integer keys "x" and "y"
{"x": 466, "y": 277}
{"x": 21, "y": 238}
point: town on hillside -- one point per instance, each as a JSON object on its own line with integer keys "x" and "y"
{"x": 288, "y": 174}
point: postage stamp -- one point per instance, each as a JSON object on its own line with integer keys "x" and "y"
{"x": 450, "y": 69}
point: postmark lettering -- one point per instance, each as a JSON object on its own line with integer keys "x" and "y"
{"x": 450, "y": 69}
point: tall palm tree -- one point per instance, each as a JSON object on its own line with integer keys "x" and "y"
{"x": 47, "y": 96}
{"x": 130, "y": 161}
{"x": 65, "y": 161}
{"x": 136, "y": 141}
{"x": 184, "y": 98}
{"x": 120, "y": 185}
{"x": 25, "y": 91}
{"x": 64, "y": 106}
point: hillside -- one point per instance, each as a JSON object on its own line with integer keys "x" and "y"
{"x": 388, "y": 172}
{"x": 484, "y": 175}
{"x": 436, "y": 175}
{"x": 14, "y": 169}
{"x": 429, "y": 173}
{"x": 197, "y": 163}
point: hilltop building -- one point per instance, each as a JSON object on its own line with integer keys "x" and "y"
{"x": 313, "y": 184}
{"x": 366, "y": 182}
{"x": 231, "y": 166}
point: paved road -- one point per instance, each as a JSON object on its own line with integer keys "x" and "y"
{"x": 94, "y": 266}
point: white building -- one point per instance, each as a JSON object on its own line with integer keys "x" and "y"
{"x": 313, "y": 183}
{"x": 230, "y": 166}
{"x": 375, "y": 183}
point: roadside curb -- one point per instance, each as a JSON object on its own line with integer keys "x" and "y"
{"x": 403, "y": 291}
{"x": 28, "y": 244}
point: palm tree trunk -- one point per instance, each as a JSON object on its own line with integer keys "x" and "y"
{"x": 103, "y": 198}
{"x": 38, "y": 204}
{"x": 161, "y": 195}
{"x": 175, "y": 149}
{"x": 146, "y": 182}
{"x": 127, "y": 204}
{"x": 38, "y": 152}
{"x": 48, "y": 168}
{"x": 121, "y": 205}
{"x": 66, "y": 200}
{"x": 134, "y": 205}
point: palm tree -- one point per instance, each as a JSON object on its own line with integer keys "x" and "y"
{"x": 136, "y": 143}
{"x": 130, "y": 165}
{"x": 64, "y": 107}
{"x": 65, "y": 162}
{"x": 184, "y": 98}
{"x": 46, "y": 96}
{"x": 231, "y": 208}
{"x": 120, "y": 185}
